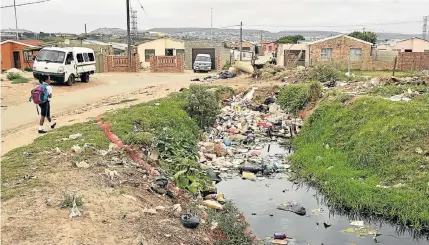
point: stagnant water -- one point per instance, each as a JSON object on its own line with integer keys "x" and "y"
{"x": 262, "y": 197}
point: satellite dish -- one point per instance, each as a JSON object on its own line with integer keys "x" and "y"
{"x": 66, "y": 41}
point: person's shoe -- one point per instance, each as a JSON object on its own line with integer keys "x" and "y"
{"x": 42, "y": 131}
{"x": 53, "y": 125}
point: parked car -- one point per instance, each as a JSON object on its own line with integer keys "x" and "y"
{"x": 64, "y": 65}
{"x": 203, "y": 62}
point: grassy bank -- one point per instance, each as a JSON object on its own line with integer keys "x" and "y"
{"x": 30, "y": 159}
{"x": 369, "y": 156}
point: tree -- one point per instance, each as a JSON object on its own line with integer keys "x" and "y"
{"x": 366, "y": 36}
{"x": 290, "y": 39}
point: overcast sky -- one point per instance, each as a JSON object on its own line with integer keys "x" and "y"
{"x": 273, "y": 15}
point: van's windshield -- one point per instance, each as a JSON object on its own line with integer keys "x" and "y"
{"x": 203, "y": 58}
{"x": 51, "y": 56}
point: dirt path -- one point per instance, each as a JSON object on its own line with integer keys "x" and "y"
{"x": 115, "y": 91}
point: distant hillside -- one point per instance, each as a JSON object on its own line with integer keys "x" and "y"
{"x": 108, "y": 31}
{"x": 195, "y": 29}
{"x": 252, "y": 34}
{"x": 391, "y": 36}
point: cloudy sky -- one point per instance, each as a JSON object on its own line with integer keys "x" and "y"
{"x": 403, "y": 16}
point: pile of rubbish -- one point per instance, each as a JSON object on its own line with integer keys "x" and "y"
{"x": 221, "y": 75}
{"x": 243, "y": 136}
{"x": 271, "y": 72}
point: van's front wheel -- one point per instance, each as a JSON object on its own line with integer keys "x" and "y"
{"x": 70, "y": 81}
{"x": 84, "y": 77}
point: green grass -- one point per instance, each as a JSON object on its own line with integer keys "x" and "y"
{"x": 20, "y": 80}
{"x": 231, "y": 223}
{"x": 368, "y": 143}
{"x": 15, "y": 165}
{"x": 390, "y": 90}
{"x": 297, "y": 96}
{"x": 16, "y": 78}
{"x": 384, "y": 73}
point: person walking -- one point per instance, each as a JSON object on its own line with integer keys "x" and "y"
{"x": 41, "y": 96}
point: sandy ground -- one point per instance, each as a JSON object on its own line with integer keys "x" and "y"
{"x": 113, "y": 210}
{"x": 79, "y": 103}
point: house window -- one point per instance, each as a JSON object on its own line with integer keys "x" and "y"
{"x": 270, "y": 48}
{"x": 180, "y": 52}
{"x": 28, "y": 55}
{"x": 148, "y": 53}
{"x": 326, "y": 53}
{"x": 168, "y": 52}
{"x": 79, "y": 58}
{"x": 355, "y": 54}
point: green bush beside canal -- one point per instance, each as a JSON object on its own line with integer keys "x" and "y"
{"x": 370, "y": 156}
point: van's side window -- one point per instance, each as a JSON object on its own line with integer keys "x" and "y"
{"x": 79, "y": 58}
{"x": 69, "y": 58}
{"x": 91, "y": 56}
{"x": 85, "y": 57}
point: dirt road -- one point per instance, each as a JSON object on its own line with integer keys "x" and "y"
{"x": 110, "y": 91}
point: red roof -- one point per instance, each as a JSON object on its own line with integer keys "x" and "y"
{"x": 31, "y": 42}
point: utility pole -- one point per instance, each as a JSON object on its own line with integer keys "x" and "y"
{"x": 16, "y": 20}
{"x": 425, "y": 27}
{"x": 128, "y": 35}
{"x": 211, "y": 25}
{"x": 86, "y": 34}
{"x": 241, "y": 41}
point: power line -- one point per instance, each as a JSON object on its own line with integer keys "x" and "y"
{"x": 141, "y": 6}
{"x": 22, "y": 4}
{"x": 354, "y": 25}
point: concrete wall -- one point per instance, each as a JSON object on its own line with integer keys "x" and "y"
{"x": 385, "y": 47}
{"x": 288, "y": 47}
{"x": 340, "y": 49}
{"x": 159, "y": 45}
{"x": 246, "y": 56}
{"x": 415, "y": 44}
{"x": 219, "y": 47}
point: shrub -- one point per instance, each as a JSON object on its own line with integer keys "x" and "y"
{"x": 144, "y": 139}
{"x": 202, "y": 105}
{"x": 324, "y": 73}
{"x": 13, "y": 75}
{"x": 227, "y": 65}
{"x": 296, "y": 97}
{"x": 16, "y": 78}
{"x": 29, "y": 69}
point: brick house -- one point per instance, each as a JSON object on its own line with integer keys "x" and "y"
{"x": 269, "y": 48}
{"x": 341, "y": 48}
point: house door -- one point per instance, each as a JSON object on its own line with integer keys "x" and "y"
{"x": 16, "y": 60}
